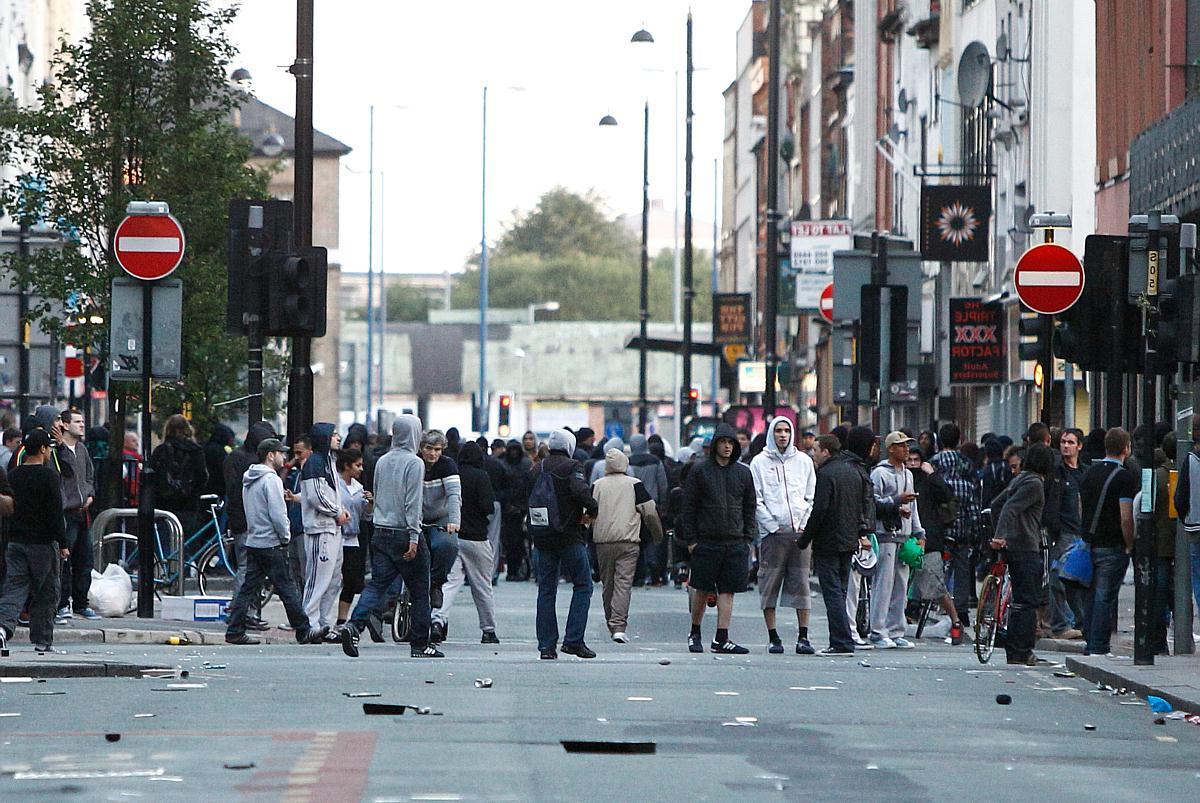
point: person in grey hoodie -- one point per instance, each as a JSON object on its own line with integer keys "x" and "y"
{"x": 323, "y": 518}
{"x": 267, "y": 536}
{"x": 896, "y": 520}
{"x": 397, "y": 548}
{"x": 652, "y": 562}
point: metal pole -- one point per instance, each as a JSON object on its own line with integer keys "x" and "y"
{"x": 383, "y": 289}
{"x": 716, "y": 362}
{"x": 685, "y": 351}
{"x": 370, "y": 263}
{"x": 1183, "y": 617}
{"x": 1046, "y": 357}
{"x": 676, "y": 276}
{"x": 1145, "y": 556}
{"x": 254, "y": 369}
{"x": 145, "y": 594}
{"x": 879, "y": 243}
{"x": 483, "y": 280}
{"x": 644, "y": 290}
{"x": 23, "y": 327}
{"x": 771, "y": 285}
{"x": 300, "y": 385}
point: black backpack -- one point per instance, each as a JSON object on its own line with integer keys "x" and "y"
{"x": 177, "y": 475}
{"x": 544, "y": 519}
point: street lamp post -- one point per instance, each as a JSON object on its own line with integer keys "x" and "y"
{"x": 684, "y": 393}
{"x": 300, "y": 380}
{"x": 370, "y": 264}
{"x": 482, "y": 404}
{"x": 771, "y": 290}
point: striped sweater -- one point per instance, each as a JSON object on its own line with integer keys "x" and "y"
{"x": 441, "y": 498}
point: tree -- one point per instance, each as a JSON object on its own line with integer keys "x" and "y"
{"x": 563, "y": 223}
{"x": 405, "y": 304}
{"x": 138, "y": 109}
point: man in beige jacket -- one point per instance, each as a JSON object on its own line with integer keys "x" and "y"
{"x": 625, "y": 507}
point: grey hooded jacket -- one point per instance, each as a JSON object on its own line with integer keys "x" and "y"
{"x": 649, "y": 469}
{"x": 398, "y": 481}
{"x": 267, "y": 522}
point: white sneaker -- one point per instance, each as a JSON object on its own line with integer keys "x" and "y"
{"x": 901, "y": 643}
{"x": 65, "y": 613}
{"x": 884, "y": 643}
{"x": 861, "y": 643}
{"x": 620, "y": 637}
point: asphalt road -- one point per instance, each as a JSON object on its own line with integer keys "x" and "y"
{"x": 914, "y": 725}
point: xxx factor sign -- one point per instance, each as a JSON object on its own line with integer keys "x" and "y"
{"x": 149, "y": 246}
{"x": 1049, "y": 278}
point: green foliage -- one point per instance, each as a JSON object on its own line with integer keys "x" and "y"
{"x": 565, "y": 223}
{"x": 405, "y": 304}
{"x": 139, "y": 109}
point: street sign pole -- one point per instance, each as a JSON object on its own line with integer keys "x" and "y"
{"x": 1145, "y": 557}
{"x": 879, "y": 244}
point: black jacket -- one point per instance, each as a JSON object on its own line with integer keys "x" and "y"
{"x": 719, "y": 501}
{"x": 214, "y": 459}
{"x": 477, "y": 495}
{"x": 574, "y": 497}
{"x": 235, "y": 466}
{"x": 517, "y": 483}
{"x": 498, "y": 477}
{"x": 843, "y": 505}
{"x": 934, "y": 496}
{"x": 178, "y": 491}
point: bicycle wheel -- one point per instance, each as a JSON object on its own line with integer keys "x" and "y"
{"x": 862, "y": 615}
{"x": 402, "y": 618}
{"x": 923, "y": 618}
{"x": 985, "y": 619}
{"x": 217, "y": 567}
{"x": 122, "y": 549}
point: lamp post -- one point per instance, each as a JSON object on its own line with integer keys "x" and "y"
{"x": 370, "y": 263}
{"x": 300, "y": 380}
{"x": 482, "y": 404}
{"x": 771, "y": 290}
{"x": 685, "y": 351}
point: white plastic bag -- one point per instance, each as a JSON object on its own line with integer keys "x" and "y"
{"x": 112, "y": 592}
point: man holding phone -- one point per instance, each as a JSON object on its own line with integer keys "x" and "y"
{"x": 896, "y": 519}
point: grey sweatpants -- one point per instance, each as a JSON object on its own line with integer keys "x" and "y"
{"x": 322, "y": 578}
{"x": 889, "y": 592}
{"x": 33, "y": 572}
{"x": 493, "y": 537}
{"x": 476, "y": 561}
{"x": 618, "y": 562}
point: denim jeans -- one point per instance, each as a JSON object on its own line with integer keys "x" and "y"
{"x": 1025, "y": 574}
{"x": 77, "y": 582}
{"x": 443, "y": 551}
{"x": 32, "y": 577}
{"x": 387, "y": 565}
{"x": 1164, "y": 599}
{"x": 1061, "y": 614}
{"x": 1108, "y": 570}
{"x": 571, "y": 561}
{"x": 833, "y": 573}
{"x": 261, "y": 564}
{"x": 1194, "y": 553}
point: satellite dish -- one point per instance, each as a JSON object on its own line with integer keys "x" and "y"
{"x": 902, "y": 101}
{"x": 1002, "y": 47}
{"x": 974, "y": 74}
{"x": 894, "y": 133}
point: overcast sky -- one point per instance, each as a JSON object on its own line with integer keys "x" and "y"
{"x": 574, "y": 62}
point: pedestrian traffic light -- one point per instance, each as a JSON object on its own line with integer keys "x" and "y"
{"x": 1035, "y": 335}
{"x": 504, "y": 418}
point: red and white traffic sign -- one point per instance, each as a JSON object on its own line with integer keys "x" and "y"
{"x": 826, "y": 303}
{"x": 1049, "y": 278}
{"x": 149, "y": 246}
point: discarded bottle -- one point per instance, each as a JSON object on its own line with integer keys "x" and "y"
{"x": 178, "y": 641}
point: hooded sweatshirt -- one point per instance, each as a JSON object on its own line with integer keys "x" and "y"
{"x": 624, "y": 505}
{"x": 649, "y": 469}
{"x": 266, "y": 513}
{"x": 319, "y": 503}
{"x": 442, "y": 494}
{"x": 574, "y": 497}
{"x": 888, "y": 483}
{"x": 598, "y": 468}
{"x": 236, "y": 464}
{"x": 784, "y": 483}
{"x": 719, "y": 501}
{"x": 398, "y": 478}
{"x": 477, "y": 494}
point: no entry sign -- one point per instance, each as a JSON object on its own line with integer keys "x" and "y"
{"x": 149, "y": 246}
{"x": 1049, "y": 278}
{"x": 826, "y": 303}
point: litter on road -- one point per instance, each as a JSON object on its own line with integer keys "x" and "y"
{"x": 637, "y": 748}
{"x": 356, "y": 694}
{"x": 1003, "y": 699}
{"x": 112, "y": 737}
{"x": 483, "y": 683}
{"x": 640, "y": 699}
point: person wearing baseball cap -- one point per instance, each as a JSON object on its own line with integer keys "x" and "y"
{"x": 268, "y": 532}
{"x": 896, "y": 519}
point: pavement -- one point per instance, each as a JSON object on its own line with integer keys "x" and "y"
{"x": 274, "y": 722}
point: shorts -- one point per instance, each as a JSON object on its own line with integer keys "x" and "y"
{"x": 929, "y": 582}
{"x": 720, "y": 567}
{"x": 784, "y": 566}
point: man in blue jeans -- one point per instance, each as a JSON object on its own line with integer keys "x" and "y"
{"x": 441, "y": 512}
{"x": 1106, "y": 494}
{"x": 560, "y": 506}
{"x": 397, "y": 548}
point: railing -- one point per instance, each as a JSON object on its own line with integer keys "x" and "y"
{"x": 101, "y": 527}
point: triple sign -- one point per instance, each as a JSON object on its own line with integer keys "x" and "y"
{"x": 1049, "y": 279}
{"x": 149, "y": 242}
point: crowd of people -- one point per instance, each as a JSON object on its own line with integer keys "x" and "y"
{"x": 342, "y": 526}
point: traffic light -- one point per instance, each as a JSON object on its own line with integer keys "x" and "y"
{"x": 504, "y": 418}
{"x": 296, "y": 294}
{"x": 869, "y": 344}
{"x": 691, "y": 400}
{"x": 1035, "y": 335}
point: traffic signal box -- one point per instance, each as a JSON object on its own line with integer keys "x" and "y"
{"x": 269, "y": 277}
{"x": 504, "y": 416}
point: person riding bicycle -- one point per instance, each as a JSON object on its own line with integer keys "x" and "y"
{"x": 1018, "y": 531}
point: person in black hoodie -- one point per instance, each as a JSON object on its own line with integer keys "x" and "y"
{"x": 843, "y": 515}
{"x": 475, "y": 560}
{"x": 562, "y": 552}
{"x": 220, "y": 444}
{"x": 236, "y": 464}
{"x": 499, "y": 480}
{"x": 719, "y": 523}
{"x": 180, "y": 473}
{"x": 516, "y": 501}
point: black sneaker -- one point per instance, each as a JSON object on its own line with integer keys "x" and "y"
{"x": 435, "y": 597}
{"x": 489, "y": 637}
{"x": 437, "y": 632}
{"x": 430, "y": 651}
{"x": 834, "y": 651}
{"x": 549, "y": 655}
{"x": 316, "y": 635}
{"x": 776, "y": 647}
{"x": 375, "y": 628}
{"x": 695, "y": 644}
{"x": 257, "y": 624}
{"x": 579, "y": 650}
{"x": 3, "y": 642}
{"x": 333, "y": 636}
{"x": 241, "y": 638}
{"x": 728, "y": 647}
{"x": 804, "y": 647}
{"x": 350, "y": 641}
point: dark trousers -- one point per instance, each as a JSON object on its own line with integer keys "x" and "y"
{"x": 572, "y": 562}
{"x": 261, "y": 564}
{"x": 77, "y": 575}
{"x": 1025, "y": 570}
{"x": 833, "y": 573}
{"x": 1163, "y": 605}
{"x": 512, "y": 538}
{"x": 387, "y": 564}
{"x": 1108, "y": 570}
{"x": 962, "y": 577}
{"x": 32, "y": 574}
{"x": 443, "y": 551}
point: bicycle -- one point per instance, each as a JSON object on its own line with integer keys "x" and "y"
{"x": 402, "y": 617}
{"x": 992, "y": 615}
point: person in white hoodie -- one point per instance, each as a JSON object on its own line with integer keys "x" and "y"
{"x": 784, "y": 482}
{"x": 268, "y": 532}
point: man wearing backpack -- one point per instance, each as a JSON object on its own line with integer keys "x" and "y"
{"x": 560, "y": 506}
{"x": 180, "y": 472}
